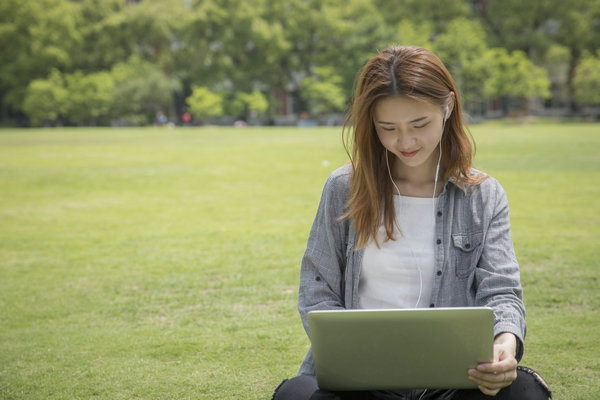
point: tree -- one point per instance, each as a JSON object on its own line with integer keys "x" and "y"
{"x": 514, "y": 75}
{"x": 90, "y": 97}
{"x": 274, "y": 47}
{"x": 437, "y": 14}
{"x": 535, "y": 26}
{"x": 97, "y": 49}
{"x": 587, "y": 81}
{"x": 249, "y": 106}
{"x": 231, "y": 43}
{"x": 519, "y": 25}
{"x": 150, "y": 30}
{"x": 142, "y": 90}
{"x": 557, "y": 62}
{"x": 412, "y": 34}
{"x": 46, "y": 99}
{"x": 204, "y": 103}
{"x": 462, "y": 47}
{"x": 323, "y": 91}
{"x": 35, "y": 37}
{"x": 131, "y": 92}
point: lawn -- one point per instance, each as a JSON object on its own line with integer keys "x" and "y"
{"x": 163, "y": 264}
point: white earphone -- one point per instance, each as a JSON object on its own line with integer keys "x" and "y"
{"x": 437, "y": 168}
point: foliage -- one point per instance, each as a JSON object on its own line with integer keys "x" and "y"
{"x": 557, "y": 62}
{"x": 142, "y": 90}
{"x": 204, "y": 103}
{"x": 91, "y": 97}
{"x": 324, "y": 91}
{"x": 587, "y": 81}
{"x": 35, "y": 38}
{"x": 99, "y": 48}
{"x": 78, "y": 98}
{"x": 513, "y": 74}
{"x": 248, "y": 106}
{"x": 46, "y": 99}
{"x": 412, "y": 34}
{"x": 462, "y": 48}
{"x": 276, "y": 47}
{"x": 537, "y": 28}
{"x": 423, "y": 12}
{"x": 132, "y": 91}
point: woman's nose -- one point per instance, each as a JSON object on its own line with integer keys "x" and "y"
{"x": 405, "y": 140}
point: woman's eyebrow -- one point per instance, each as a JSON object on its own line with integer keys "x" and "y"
{"x": 410, "y": 122}
{"x": 418, "y": 119}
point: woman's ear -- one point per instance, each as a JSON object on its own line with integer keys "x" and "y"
{"x": 449, "y": 105}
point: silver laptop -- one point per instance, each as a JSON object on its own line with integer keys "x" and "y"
{"x": 399, "y": 349}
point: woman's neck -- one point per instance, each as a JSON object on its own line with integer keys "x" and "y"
{"x": 418, "y": 181}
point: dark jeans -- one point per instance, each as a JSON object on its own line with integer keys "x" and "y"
{"x": 528, "y": 386}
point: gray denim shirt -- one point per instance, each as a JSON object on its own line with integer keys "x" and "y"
{"x": 475, "y": 263}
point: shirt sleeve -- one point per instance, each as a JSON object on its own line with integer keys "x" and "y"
{"x": 498, "y": 277}
{"x": 323, "y": 263}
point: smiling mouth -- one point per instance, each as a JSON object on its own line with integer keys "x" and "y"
{"x": 409, "y": 153}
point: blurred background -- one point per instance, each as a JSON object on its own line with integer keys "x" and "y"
{"x": 283, "y": 62}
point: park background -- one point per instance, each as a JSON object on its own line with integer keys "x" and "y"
{"x": 152, "y": 259}
{"x": 126, "y": 62}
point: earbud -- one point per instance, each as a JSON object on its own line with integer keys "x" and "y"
{"x": 446, "y": 113}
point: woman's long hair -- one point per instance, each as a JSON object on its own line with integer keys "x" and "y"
{"x": 419, "y": 74}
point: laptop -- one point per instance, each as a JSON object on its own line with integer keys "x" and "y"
{"x": 400, "y": 349}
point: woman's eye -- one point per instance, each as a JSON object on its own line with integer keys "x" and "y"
{"x": 422, "y": 125}
{"x": 388, "y": 129}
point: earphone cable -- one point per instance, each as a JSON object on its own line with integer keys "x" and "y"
{"x": 437, "y": 170}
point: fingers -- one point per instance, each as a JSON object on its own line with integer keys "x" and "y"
{"x": 493, "y": 376}
{"x": 490, "y": 383}
{"x": 498, "y": 380}
{"x": 504, "y": 365}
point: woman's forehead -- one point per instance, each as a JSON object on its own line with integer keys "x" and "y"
{"x": 402, "y": 109}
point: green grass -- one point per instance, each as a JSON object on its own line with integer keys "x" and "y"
{"x": 163, "y": 264}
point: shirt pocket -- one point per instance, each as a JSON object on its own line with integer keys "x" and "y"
{"x": 465, "y": 252}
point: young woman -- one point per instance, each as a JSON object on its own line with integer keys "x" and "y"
{"x": 409, "y": 223}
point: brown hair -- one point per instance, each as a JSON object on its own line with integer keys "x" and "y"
{"x": 419, "y": 74}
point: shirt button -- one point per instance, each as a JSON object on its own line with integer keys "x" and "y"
{"x": 439, "y": 273}
{"x": 439, "y": 241}
{"x": 467, "y": 246}
{"x": 318, "y": 278}
{"x": 439, "y": 213}
{"x": 431, "y": 305}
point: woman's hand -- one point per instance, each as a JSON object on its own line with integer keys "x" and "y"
{"x": 502, "y": 370}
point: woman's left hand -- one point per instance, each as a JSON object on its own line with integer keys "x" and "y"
{"x": 502, "y": 370}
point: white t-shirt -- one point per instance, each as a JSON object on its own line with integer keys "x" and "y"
{"x": 399, "y": 274}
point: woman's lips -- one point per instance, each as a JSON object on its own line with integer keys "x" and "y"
{"x": 409, "y": 154}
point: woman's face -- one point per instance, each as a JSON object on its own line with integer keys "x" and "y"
{"x": 410, "y": 129}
